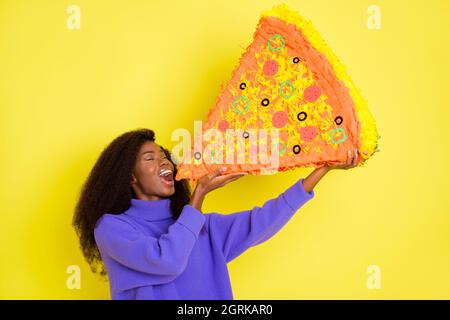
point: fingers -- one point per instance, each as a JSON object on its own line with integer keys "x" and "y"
{"x": 235, "y": 176}
{"x": 355, "y": 158}
{"x": 231, "y": 179}
{"x": 224, "y": 179}
{"x": 218, "y": 172}
{"x": 229, "y": 176}
{"x": 349, "y": 158}
{"x": 352, "y": 159}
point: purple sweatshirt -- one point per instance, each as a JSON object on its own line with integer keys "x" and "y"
{"x": 149, "y": 255}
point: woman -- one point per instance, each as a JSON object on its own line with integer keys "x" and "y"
{"x": 146, "y": 231}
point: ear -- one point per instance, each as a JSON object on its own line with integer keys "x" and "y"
{"x": 133, "y": 179}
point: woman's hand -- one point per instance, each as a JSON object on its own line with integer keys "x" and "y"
{"x": 214, "y": 180}
{"x": 352, "y": 161}
{"x": 314, "y": 177}
{"x": 210, "y": 182}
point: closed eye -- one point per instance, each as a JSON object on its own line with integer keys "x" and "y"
{"x": 163, "y": 157}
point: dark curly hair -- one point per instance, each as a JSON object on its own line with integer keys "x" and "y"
{"x": 108, "y": 190}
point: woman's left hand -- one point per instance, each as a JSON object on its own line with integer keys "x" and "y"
{"x": 314, "y": 177}
{"x": 351, "y": 162}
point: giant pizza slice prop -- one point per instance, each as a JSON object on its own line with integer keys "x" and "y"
{"x": 289, "y": 99}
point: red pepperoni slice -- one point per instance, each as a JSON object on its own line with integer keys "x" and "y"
{"x": 223, "y": 125}
{"x": 312, "y": 93}
{"x": 308, "y": 133}
{"x": 270, "y": 67}
{"x": 279, "y": 119}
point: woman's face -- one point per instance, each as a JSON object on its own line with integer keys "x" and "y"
{"x": 152, "y": 177}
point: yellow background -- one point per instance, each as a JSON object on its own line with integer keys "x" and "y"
{"x": 65, "y": 94}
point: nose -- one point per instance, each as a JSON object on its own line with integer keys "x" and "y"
{"x": 164, "y": 161}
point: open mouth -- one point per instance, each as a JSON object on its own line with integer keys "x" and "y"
{"x": 166, "y": 176}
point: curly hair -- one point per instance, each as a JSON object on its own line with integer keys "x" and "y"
{"x": 108, "y": 190}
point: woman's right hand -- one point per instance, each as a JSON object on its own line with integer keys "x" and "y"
{"x": 216, "y": 179}
{"x": 210, "y": 182}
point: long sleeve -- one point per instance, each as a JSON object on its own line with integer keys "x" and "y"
{"x": 166, "y": 255}
{"x": 236, "y": 232}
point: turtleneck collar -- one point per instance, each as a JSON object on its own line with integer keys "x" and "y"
{"x": 150, "y": 210}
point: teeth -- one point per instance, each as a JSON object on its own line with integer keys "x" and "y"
{"x": 165, "y": 172}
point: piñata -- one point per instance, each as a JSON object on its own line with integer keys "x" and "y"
{"x": 289, "y": 98}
